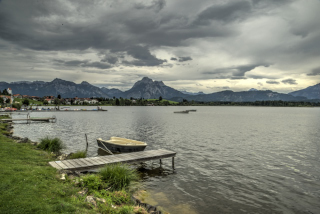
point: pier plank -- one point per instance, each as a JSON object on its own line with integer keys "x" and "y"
{"x": 55, "y": 165}
{"x": 96, "y": 162}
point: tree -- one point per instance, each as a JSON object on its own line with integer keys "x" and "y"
{"x": 117, "y": 102}
{"x": 45, "y": 102}
{"x": 56, "y": 101}
{"x": 26, "y": 102}
{"x": 16, "y": 105}
{"x": 5, "y": 92}
{"x": 1, "y": 100}
{"x": 8, "y": 101}
{"x": 160, "y": 98}
{"x": 59, "y": 96}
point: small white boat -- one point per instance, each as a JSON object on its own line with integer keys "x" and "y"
{"x": 121, "y": 145}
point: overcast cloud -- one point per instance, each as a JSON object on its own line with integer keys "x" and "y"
{"x": 190, "y": 45}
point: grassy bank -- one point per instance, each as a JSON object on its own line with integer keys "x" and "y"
{"x": 29, "y": 185}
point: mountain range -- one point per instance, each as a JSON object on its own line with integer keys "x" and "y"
{"x": 147, "y": 88}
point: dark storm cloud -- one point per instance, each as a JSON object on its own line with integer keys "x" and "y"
{"x": 156, "y": 5}
{"x": 110, "y": 59}
{"x": 142, "y": 57}
{"x": 44, "y": 25}
{"x": 241, "y": 70}
{"x": 184, "y": 58}
{"x": 174, "y": 59}
{"x": 314, "y": 72}
{"x": 96, "y": 65}
{"x": 289, "y": 81}
{"x": 230, "y": 11}
{"x": 273, "y": 82}
{"x": 83, "y": 63}
{"x": 235, "y": 72}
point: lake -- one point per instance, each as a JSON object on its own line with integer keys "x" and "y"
{"x": 229, "y": 159}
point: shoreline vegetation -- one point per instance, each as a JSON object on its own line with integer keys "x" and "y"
{"x": 31, "y": 104}
{"x": 30, "y": 185}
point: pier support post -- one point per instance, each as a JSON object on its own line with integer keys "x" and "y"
{"x": 173, "y": 163}
{"x": 160, "y": 162}
{"x": 86, "y": 143}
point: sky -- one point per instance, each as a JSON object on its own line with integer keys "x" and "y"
{"x": 192, "y": 46}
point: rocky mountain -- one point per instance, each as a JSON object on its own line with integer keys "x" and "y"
{"x": 312, "y": 92}
{"x": 65, "y": 88}
{"x": 113, "y": 92}
{"x": 148, "y": 89}
{"x": 244, "y": 96}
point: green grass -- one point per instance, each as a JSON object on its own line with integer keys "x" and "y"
{"x": 3, "y": 126}
{"x": 34, "y": 102}
{"x": 78, "y": 154}
{"x": 119, "y": 176}
{"x": 29, "y": 185}
{"x": 163, "y": 100}
{"x": 51, "y": 144}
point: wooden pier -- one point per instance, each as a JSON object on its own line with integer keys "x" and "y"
{"x": 84, "y": 164}
{"x": 46, "y": 119}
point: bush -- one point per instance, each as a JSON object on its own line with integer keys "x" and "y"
{"x": 51, "y": 144}
{"x": 93, "y": 182}
{"x": 118, "y": 176}
{"x": 16, "y": 105}
{"x": 120, "y": 197}
{"x": 79, "y": 154}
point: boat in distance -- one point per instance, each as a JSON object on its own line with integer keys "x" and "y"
{"x": 184, "y": 112}
{"x": 194, "y": 110}
{"x": 121, "y": 145}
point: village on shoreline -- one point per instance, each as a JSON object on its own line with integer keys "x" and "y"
{"x": 14, "y": 102}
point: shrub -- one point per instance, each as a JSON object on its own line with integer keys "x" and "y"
{"x": 119, "y": 176}
{"x": 125, "y": 210}
{"x": 16, "y": 105}
{"x": 51, "y": 144}
{"x": 79, "y": 154}
{"x": 93, "y": 182}
{"x": 120, "y": 197}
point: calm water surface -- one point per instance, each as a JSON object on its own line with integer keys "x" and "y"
{"x": 229, "y": 159}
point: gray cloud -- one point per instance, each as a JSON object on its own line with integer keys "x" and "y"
{"x": 289, "y": 81}
{"x": 273, "y": 82}
{"x": 83, "y": 63}
{"x": 314, "y": 72}
{"x": 236, "y": 72}
{"x": 155, "y": 5}
{"x": 241, "y": 70}
{"x": 173, "y": 58}
{"x": 230, "y": 11}
{"x": 96, "y": 65}
{"x": 143, "y": 57}
{"x": 110, "y": 59}
{"x": 184, "y": 58}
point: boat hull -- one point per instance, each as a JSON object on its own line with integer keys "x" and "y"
{"x": 114, "y": 148}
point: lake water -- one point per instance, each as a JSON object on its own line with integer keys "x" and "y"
{"x": 229, "y": 159}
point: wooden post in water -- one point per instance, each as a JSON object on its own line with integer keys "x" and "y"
{"x": 160, "y": 162}
{"x": 87, "y": 143}
{"x": 173, "y": 163}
